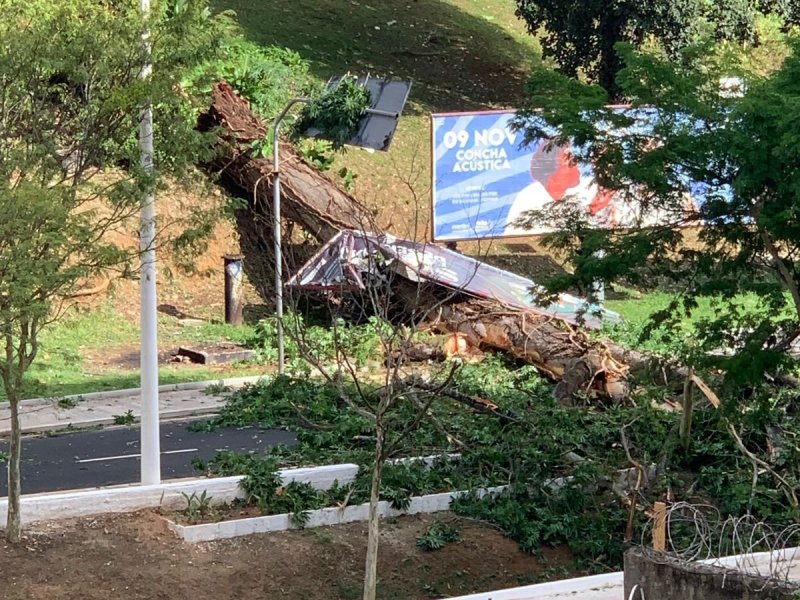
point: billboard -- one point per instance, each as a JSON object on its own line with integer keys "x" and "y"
{"x": 485, "y": 178}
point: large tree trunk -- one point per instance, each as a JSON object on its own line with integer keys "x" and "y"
{"x": 580, "y": 365}
{"x": 313, "y": 201}
{"x": 308, "y": 197}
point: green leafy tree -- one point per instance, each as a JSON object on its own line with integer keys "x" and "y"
{"x": 70, "y": 95}
{"x": 738, "y": 151}
{"x": 581, "y": 34}
{"x": 390, "y": 403}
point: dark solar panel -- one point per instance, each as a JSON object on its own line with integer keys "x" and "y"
{"x": 379, "y": 124}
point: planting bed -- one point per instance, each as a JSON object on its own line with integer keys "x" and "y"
{"x": 269, "y": 501}
{"x": 134, "y": 557}
{"x": 235, "y": 522}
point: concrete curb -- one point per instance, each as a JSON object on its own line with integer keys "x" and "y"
{"x": 164, "y": 415}
{"x": 579, "y": 588}
{"x": 610, "y": 585}
{"x": 98, "y": 409}
{"x": 171, "y": 387}
{"x": 209, "y": 532}
{"x": 168, "y": 495}
{"x": 126, "y": 498}
{"x": 85, "y": 503}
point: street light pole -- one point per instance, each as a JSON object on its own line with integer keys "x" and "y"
{"x": 276, "y": 213}
{"x": 150, "y": 444}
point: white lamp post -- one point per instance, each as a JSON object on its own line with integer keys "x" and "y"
{"x": 150, "y": 443}
{"x": 276, "y": 213}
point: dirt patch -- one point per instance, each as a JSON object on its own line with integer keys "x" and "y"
{"x": 134, "y": 556}
{"x": 124, "y": 357}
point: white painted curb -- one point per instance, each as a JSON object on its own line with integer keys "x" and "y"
{"x": 169, "y": 495}
{"x": 611, "y": 585}
{"x": 595, "y": 587}
{"x": 323, "y": 517}
{"x": 84, "y": 503}
{"x": 51, "y": 506}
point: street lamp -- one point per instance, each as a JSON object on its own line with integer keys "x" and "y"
{"x": 276, "y": 211}
{"x": 375, "y": 131}
{"x": 150, "y": 443}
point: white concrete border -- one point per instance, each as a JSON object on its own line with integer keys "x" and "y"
{"x": 611, "y": 585}
{"x": 169, "y": 495}
{"x": 70, "y": 504}
{"x": 595, "y": 587}
{"x": 84, "y": 503}
{"x": 323, "y": 517}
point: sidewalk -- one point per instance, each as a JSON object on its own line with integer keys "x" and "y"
{"x": 100, "y": 408}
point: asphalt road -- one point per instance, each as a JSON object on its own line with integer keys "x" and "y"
{"x": 86, "y": 459}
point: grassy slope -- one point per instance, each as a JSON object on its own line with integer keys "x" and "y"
{"x": 461, "y": 54}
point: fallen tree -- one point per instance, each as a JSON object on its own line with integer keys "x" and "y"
{"x": 564, "y": 352}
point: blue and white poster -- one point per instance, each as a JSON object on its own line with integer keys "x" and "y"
{"x": 485, "y": 180}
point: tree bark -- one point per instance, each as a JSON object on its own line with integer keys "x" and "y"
{"x": 13, "y": 520}
{"x": 561, "y": 351}
{"x": 371, "y": 566}
{"x": 580, "y": 366}
{"x": 308, "y": 196}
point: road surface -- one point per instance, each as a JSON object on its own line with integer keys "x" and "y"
{"x": 86, "y": 459}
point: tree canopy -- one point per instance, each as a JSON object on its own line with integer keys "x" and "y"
{"x": 70, "y": 96}
{"x": 71, "y": 91}
{"x": 736, "y": 153}
{"x": 581, "y": 34}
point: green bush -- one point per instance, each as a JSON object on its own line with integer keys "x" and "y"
{"x": 533, "y": 441}
{"x": 337, "y": 112}
{"x": 267, "y": 76}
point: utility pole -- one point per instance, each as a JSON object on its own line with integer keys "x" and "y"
{"x": 150, "y": 443}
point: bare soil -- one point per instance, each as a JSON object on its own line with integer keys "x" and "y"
{"x": 188, "y": 288}
{"x": 133, "y": 556}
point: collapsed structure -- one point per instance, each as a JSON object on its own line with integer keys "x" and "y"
{"x": 546, "y": 338}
